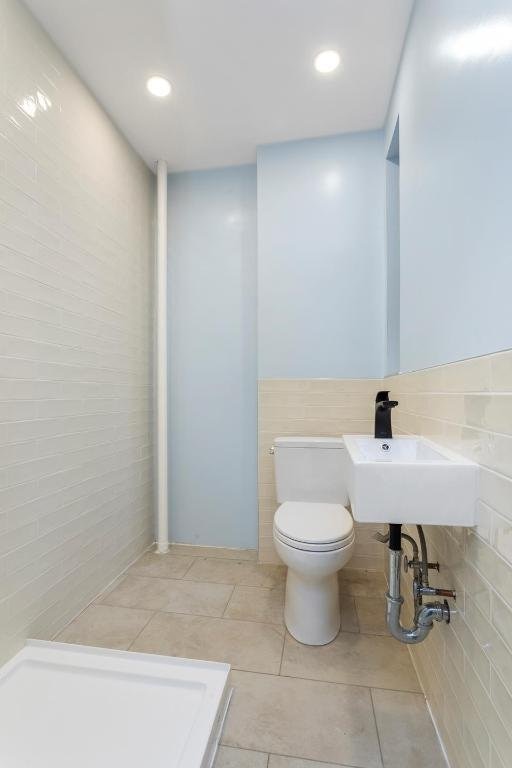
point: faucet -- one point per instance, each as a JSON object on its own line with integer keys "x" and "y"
{"x": 383, "y": 408}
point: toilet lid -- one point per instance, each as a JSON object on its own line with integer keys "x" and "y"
{"x": 313, "y": 522}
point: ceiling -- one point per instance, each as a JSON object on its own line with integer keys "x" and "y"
{"x": 241, "y": 70}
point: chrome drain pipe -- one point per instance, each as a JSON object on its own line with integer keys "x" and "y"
{"x": 425, "y": 615}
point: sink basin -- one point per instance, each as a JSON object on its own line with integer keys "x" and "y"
{"x": 409, "y": 480}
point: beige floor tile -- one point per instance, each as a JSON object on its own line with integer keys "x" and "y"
{"x": 201, "y": 598}
{"x": 371, "y": 615}
{"x": 358, "y": 583}
{"x": 236, "y": 572}
{"x": 106, "y": 627}
{"x": 243, "y": 644}
{"x": 278, "y": 761}
{"x": 161, "y": 566}
{"x": 302, "y": 718}
{"x": 352, "y": 658}
{"x": 256, "y": 604}
{"x": 139, "y": 592}
{"x": 174, "y": 595}
{"x": 230, "y": 757}
{"x": 406, "y": 732}
{"x": 349, "y": 622}
{"x": 224, "y": 553}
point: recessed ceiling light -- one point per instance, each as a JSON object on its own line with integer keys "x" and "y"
{"x": 327, "y": 61}
{"x": 158, "y": 86}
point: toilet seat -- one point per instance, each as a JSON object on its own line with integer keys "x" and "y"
{"x": 314, "y": 526}
{"x": 306, "y": 547}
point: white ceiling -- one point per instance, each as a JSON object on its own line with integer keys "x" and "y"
{"x": 242, "y": 70}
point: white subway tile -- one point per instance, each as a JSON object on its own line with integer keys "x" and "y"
{"x": 76, "y": 272}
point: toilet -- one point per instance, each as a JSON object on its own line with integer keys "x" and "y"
{"x": 313, "y": 532}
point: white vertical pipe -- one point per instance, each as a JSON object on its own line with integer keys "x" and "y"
{"x": 161, "y": 365}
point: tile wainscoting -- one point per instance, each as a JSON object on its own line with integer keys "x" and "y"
{"x": 465, "y": 667}
{"x": 312, "y": 407}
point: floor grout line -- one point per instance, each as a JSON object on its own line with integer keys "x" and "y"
{"x": 328, "y": 682}
{"x": 141, "y": 631}
{"x": 228, "y": 602}
{"x": 377, "y": 728}
{"x": 307, "y": 759}
{"x": 182, "y": 577}
{"x": 199, "y": 615}
{"x": 141, "y": 607}
{"x": 282, "y": 652}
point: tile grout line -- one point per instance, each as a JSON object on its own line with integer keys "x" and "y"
{"x": 141, "y": 631}
{"x": 306, "y": 760}
{"x": 223, "y": 615}
{"x": 187, "y": 569}
{"x": 376, "y": 728}
{"x": 282, "y": 652}
{"x": 199, "y": 615}
{"x": 340, "y": 682}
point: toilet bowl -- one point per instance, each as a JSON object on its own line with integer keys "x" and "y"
{"x": 313, "y": 533}
{"x": 312, "y": 612}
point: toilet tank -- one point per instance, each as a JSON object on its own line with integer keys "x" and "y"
{"x": 310, "y": 469}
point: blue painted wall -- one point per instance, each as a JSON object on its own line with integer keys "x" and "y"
{"x": 453, "y": 98}
{"x": 321, "y": 257}
{"x": 212, "y": 370}
{"x": 393, "y": 255}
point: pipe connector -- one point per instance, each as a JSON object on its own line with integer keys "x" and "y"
{"x": 425, "y": 615}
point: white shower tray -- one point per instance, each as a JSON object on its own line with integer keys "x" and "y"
{"x": 70, "y": 705}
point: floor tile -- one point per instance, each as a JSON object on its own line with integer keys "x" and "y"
{"x": 139, "y": 592}
{"x": 352, "y": 658}
{"x": 230, "y": 757}
{"x": 371, "y": 615}
{"x": 202, "y": 598}
{"x": 349, "y": 622}
{"x": 278, "y": 761}
{"x": 406, "y": 732}
{"x": 359, "y": 583}
{"x": 236, "y": 572}
{"x": 106, "y": 627}
{"x": 222, "y": 552}
{"x": 256, "y": 604}
{"x": 174, "y": 595}
{"x": 302, "y": 718}
{"x": 161, "y": 566}
{"x": 243, "y": 644}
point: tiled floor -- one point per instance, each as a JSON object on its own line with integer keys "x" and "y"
{"x": 355, "y": 702}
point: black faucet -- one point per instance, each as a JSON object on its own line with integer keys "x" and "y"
{"x": 383, "y": 408}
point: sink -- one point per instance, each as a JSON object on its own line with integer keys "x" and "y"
{"x": 409, "y": 480}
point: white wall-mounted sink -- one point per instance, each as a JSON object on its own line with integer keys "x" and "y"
{"x": 409, "y": 480}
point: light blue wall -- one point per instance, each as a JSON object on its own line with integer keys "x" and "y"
{"x": 453, "y": 98}
{"x": 321, "y": 257}
{"x": 212, "y": 371}
{"x": 393, "y": 255}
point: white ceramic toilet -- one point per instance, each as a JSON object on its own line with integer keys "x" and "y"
{"x": 313, "y": 532}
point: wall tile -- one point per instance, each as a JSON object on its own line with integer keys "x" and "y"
{"x": 467, "y": 406}
{"x": 312, "y": 407}
{"x": 76, "y": 271}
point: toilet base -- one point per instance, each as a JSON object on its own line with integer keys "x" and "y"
{"x": 312, "y": 609}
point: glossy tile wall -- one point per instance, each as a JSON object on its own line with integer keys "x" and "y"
{"x": 312, "y": 407}
{"x": 466, "y": 667}
{"x": 76, "y": 269}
